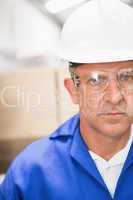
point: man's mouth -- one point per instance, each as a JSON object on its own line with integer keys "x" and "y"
{"x": 115, "y": 113}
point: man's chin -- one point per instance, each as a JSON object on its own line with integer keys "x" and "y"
{"x": 115, "y": 130}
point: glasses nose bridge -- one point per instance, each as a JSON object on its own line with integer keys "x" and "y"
{"x": 112, "y": 76}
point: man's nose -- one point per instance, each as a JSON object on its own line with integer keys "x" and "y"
{"x": 113, "y": 93}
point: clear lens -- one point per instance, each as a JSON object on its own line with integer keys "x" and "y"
{"x": 97, "y": 81}
{"x": 125, "y": 78}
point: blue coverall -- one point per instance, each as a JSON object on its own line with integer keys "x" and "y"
{"x": 59, "y": 167}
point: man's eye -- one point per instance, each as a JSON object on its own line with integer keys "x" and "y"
{"x": 126, "y": 76}
{"x": 93, "y": 81}
{"x": 97, "y": 81}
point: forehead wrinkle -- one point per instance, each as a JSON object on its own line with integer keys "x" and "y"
{"x": 114, "y": 66}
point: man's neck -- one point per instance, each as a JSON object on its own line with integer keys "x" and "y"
{"x": 101, "y": 144}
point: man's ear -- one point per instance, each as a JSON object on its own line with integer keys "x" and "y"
{"x": 72, "y": 90}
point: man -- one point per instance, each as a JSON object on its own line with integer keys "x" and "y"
{"x": 91, "y": 155}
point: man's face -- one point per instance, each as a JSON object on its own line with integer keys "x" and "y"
{"x": 106, "y": 108}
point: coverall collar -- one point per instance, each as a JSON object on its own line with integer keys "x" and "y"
{"x": 79, "y": 150}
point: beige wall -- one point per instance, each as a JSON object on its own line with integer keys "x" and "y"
{"x": 33, "y": 102}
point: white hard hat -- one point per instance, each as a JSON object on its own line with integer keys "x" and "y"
{"x": 98, "y": 31}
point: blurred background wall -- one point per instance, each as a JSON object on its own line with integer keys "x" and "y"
{"x": 33, "y": 100}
